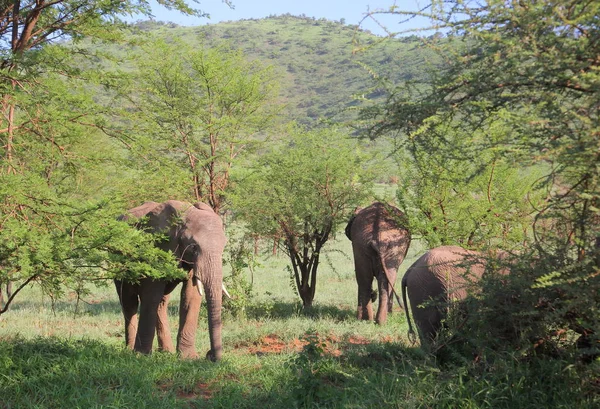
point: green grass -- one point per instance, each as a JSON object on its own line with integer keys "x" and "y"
{"x": 70, "y": 355}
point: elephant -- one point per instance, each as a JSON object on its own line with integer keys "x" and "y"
{"x": 443, "y": 276}
{"x": 196, "y": 237}
{"x": 380, "y": 241}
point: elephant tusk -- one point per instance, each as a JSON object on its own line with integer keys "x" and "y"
{"x": 225, "y": 291}
{"x": 199, "y": 285}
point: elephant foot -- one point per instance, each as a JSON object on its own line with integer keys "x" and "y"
{"x": 213, "y": 356}
{"x": 190, "y": 354}
{"x": 143, "y": 349}
{"x": 364, "y": 311}
{"x": 167, "y": 350}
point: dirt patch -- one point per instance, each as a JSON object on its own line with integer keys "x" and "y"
{"x": 199, "y": 391}
{"x": 331, "y": 345}
{"x": 272, "y": 344}
{"x": 357, "y": 340}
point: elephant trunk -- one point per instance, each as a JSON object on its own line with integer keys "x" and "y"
{"x": 222, "y": 287}
{"x": 209, "y": 273}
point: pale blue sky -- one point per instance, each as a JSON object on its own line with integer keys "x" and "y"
{"x": 351, "y": 10}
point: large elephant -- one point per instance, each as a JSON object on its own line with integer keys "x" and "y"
{"x": 438, "y": 278}
{"x": 195, "y": 235}
{"x": 380, "y": 241}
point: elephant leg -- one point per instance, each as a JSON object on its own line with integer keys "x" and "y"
{"x": 151, "y": 294}
{"x": 163, "y": 331}
{"x": 386, "y": 295}
{"x": 365, "y": 303}
{"x": 363, "y": 268}
{"x": 128, "y": 297}
{"x": 189, "y": 309}
{"x": 384, "y": 298}
{"x": 428, "y": 321}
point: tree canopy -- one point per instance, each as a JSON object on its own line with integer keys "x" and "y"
{"x": 531, "y": 69}
{"x": 53, "y": 222}
{"x": 196, "y": 111}
{"x": 300, "y": 191}
{"x": 458, "y": 190}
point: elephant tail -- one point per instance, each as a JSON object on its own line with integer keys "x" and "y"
{"x": 411, "y": 331}
{"x": 375, "y": 248}
{"x": 402, "y": 305}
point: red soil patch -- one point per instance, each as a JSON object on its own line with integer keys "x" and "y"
{"x": 331, "y": 344}
{"x": 271, "y": 344}
{"x": 356, "y": 340}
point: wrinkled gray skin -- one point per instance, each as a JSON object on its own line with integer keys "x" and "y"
{"x": 443, "y": 275}
{"x": 196, "y": 237}
{"x": 379, "y": 244}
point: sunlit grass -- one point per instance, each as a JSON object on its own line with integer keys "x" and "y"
{"x": 70, "y": 354}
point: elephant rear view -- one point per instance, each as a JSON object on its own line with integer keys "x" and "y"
{"x": 438, "y": 278}
{"x": 195, "y": 235}
{"x": 380, "y": 240}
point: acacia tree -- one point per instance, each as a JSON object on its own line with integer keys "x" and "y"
{"x": 52, "y": 225}
{"x": 200, "y": 110}
{"x": 301, "y": 191}
{"x": 459, "y": 189}
{"x": 533, "y": 67}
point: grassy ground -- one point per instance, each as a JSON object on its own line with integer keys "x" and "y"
{"x": 69, "y": 354}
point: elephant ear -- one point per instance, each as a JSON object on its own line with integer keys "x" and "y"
{"x": 164, "y": 220}
{"x": 163, "y": 217}
{"x": 348, "y": 228}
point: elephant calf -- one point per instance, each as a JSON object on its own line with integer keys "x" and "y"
{"x": 439, "y": 277}
{"x": 379, "y": 243}
{"x": 197, "y": 239}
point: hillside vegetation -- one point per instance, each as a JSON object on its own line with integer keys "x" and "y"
{"x": 321, "y": 74}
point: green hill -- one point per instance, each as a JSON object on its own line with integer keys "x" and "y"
{"x": 319, "y": 73}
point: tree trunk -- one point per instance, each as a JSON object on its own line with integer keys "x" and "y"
{"x": 307, "y": 297}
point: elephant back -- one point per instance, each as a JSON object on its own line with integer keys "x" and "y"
{"x": 385, "y": 227}
{"x": 203, "y": 206}
{"x": 455, "y": 268}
